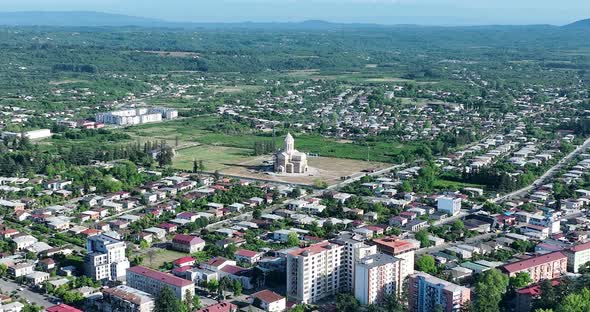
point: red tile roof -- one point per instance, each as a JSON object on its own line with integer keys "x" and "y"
{"x": 313, "y": 249}
{"x": 62, "y": 308}
{"x": 233, "y": 269}
{"x": 217, "y": 261}
{"x": 183, "y": 260}
{"x": 534, "y": 261}
{"x": 535, "y": 289}
{"x": 187, "y": 239}
{"x": 395, "y": 244}
{"x": 160, "y": 276}
{"x": 246, "y": 253}
{"x": 267, "y": 296}
{"x": 581, "y": 247}
{"x": 220, "y": 307}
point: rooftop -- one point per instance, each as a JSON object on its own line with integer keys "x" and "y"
{"x": 267, "y": 296}
{"x": 157, "y": 275}
{"x": 534, "y": 261}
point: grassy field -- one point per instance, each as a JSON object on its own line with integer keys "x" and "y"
{"x": 194, "y": 131}
{"x": 447, "y": 184}
{"x": 213, "y": 157}
{"x": 162, "y": 255}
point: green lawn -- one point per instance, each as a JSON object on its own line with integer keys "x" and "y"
{"x": 194, "y": 130}
{"x": 447, "y": 184}
{"x": 161, "y": 256}
{"x": 213, "y": 157}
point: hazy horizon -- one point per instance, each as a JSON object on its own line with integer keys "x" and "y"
{"x": 423, "y": 12}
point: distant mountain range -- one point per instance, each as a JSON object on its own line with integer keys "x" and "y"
{"x": 579, "y": 24}
{"x": 99, "y": 19}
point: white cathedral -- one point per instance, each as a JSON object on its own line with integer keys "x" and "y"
{"x": 290, "y": 160}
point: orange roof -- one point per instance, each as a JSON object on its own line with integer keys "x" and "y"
{"x": 393, "y": 242}
{"x": 267, "y": 296}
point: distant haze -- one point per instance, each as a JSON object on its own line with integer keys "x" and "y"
{"x": 424, "y": 12}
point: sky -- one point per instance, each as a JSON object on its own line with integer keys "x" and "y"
{"x": 425, "y": 12}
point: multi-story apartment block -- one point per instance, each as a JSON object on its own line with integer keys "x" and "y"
{"x": 548, "y": 266}
{"x": 153, "y": 282}
{"x": 577, "y": 256}
{"x": 105, "y": 258}
{"x": 134, "y": 116}
{"x": 125, "y": 298}
{"x": 354, "y": 250}
{"x": 449, "y": 205}
{"x": 315, "y": 272}
{"x": 427, "y": 293}
{"x": 376, "y": 277}
{"x": 401, "y": 249}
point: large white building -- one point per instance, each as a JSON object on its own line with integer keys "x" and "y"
{"x": 135, "y": 116}
{"x": 354, "y": 250}
{"x": 105, "y": 258}
{"x": 449, "y": 205}
{"x": 290, "y": 160}
{"x": 375, "y": 277}
{"x": 33, "y": 134}
{"x": 577, "y": 256}
{"x": 153, "y": 282}
{"x": 315, "y": 272}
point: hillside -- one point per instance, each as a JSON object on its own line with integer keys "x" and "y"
{"x": 579, "y": 24}
{"x": 74, "y": 18}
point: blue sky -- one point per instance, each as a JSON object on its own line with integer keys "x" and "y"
{"x": 441, "y": 12}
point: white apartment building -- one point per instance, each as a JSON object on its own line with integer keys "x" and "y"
{"x": 315, "y": 272}
{"x": 376, "y": 276}
{"x": 449, "y": 205}
{"x": 105, "y": 258}
{"x": 152, "y": 282}
{"x": 577, "y": 256}
{"x": 354, "y": 250}
{"x": 135, "y": 116}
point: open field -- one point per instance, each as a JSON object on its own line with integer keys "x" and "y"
{"x": 194, "y": 130}
{"x": 213, "y": 157}
{"x": 325, "y": 169}
{"x": 448, "y": 184}
{"x": 162, "y": 255}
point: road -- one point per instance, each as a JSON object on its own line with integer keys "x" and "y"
{"x": 8, "y": 286}
{"x": 547, "y": 175}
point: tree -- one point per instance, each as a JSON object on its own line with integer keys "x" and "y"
{"x": 167, "y": 301}
{"x": 576, "y": 302}
{"x": 195, "y": 166}
{"x": 237, "y": 288}
{"x": 164, "y": 156}
{"x": 213, "y": 285}
{"x": 427, "y": 264}
{"x": 256, "y": 214}
{"x": 346, "y": 303}
{"x": 520, "y": 280}
{"x": 189, "y": 301}
{"x": 490, "y": 288}
{"x": 3, "y": 269}
{"x": 458, "y": 226}
{"x": 293, "y": 239}
{"x": 422, "y": 236}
